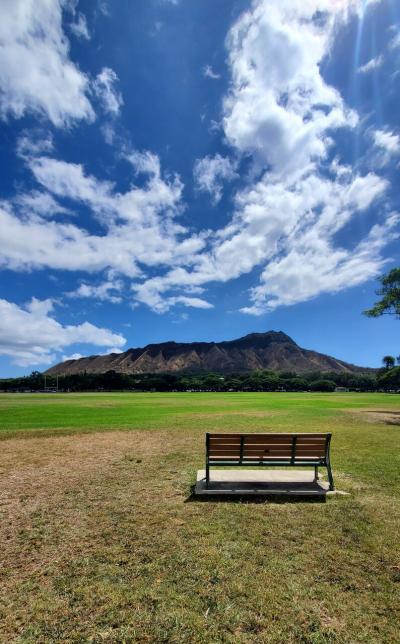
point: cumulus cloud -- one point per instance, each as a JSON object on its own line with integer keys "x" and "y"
{"x": 281, "y": 115}
{"x": 314, "y": 266}
{"x": 271, "y": 222}
{"x": 210, "y": 172}
{"x": 104, "y": 88}
{"x": 36, "y": 73}
{"x": 281, "y": 111}
{"x": 279, "y": 108}
{"x": 372, "y": 64}
{"x": 31, "y": 335}
{"x": 139, "y": 226}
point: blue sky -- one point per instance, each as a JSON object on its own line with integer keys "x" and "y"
{"x": 196, "y": 170}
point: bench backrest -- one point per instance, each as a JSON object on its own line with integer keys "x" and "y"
{"x": 247, "y": 448}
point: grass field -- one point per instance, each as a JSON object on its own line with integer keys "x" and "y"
{"x": 101, "y": 541}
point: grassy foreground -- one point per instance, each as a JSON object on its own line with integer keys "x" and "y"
{"x": 100, "y": 540}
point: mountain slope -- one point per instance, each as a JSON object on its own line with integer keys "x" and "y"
{"x": 272, "y": 350}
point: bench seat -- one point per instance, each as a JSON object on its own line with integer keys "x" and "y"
{"x": 261, "y": 450}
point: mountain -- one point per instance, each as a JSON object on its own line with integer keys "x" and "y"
{"x": 272, "y": 350}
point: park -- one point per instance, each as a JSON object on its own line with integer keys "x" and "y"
{"x": 199, "y": 322}
{"x": 102, "y": 539}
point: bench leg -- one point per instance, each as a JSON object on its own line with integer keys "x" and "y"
{"x": 330, "y": 477}
{"x": 316, "y": 473}
{"x": 207, "y": 475}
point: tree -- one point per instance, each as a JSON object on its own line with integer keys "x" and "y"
{"x": 398, "y": 360}
{"x": 388, "y": 361}
{"x": 390, "y": 292}
{"x": 390, "y": 379}
{"x": 322, "y": 385}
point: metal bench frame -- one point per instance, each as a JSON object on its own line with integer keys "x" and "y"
{"x": 263, "y": 458}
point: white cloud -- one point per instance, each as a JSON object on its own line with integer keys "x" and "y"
{"x": 314, "y": 266}
{"x": 144, "y": 162}
{"x": 103, "y": 7}
{"x": 372, "y": 64}
{"x": 73, "y": 356}
{"x": 395, "y": 42}
{"x": 139, "y": 226}
{"x": 31, "y": 143}
{"x": 282, "y": 114}
{"x": 108, "y": 133}
{"x": 208, "y": 72}
{"x": 386, "y": 147}
{"x": 112, "y": 350}
{"x": 151, "y": 296}
{"x": 388, "y": 141}
{"x": 36, "y": 73}
{"x": 210, "y": 173}
{"x": 274, "y": 221}
{"x": 30, "y": 335}
{"x": 105, "y": 292}
{"x": 79, "y": 28}
{"x": 279, "y": 108}
{"x": 104, "y": 89}
{"x": 41, "y": 203}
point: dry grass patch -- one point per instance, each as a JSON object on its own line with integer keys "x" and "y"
{"x": 386, "y": 416}
{"x": 100, "y": 542}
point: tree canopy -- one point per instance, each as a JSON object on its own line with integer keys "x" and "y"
{"x": 388, "y": 361}
{"x": 390, "y": 296}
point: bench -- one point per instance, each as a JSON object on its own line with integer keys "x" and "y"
{"x": 258, "y": 450}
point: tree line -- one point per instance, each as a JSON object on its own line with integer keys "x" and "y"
{"x": 387, "y": 379}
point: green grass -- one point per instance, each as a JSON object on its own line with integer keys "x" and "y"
{"x": 101, "y": 540}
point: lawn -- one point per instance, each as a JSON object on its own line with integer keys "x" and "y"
{"x": 101, "y": 540}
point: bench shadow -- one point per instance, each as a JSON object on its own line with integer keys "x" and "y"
{"x": 274, "y": 498}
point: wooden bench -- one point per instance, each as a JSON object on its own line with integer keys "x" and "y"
{"x": 258, "y": 450}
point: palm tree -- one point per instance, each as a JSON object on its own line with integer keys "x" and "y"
{"x": 388, "y": 361}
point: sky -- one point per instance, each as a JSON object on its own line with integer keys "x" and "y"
{"x": 196, "y": 170}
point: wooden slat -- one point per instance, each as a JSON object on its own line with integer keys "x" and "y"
{"x": 264, "y": 444}
{"x": 235, "y": 452}
{"x": 266, "y": 447}
{"x": 265, "y": 439}
{"x": 267, "y": 459}
{"x": 269, "y": 452}
{"x": 275, "y": 450}
{"x": 229, "y": 435}
{"x": 268, "y": 434}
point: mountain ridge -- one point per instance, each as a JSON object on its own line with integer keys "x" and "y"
{"x": 272, "y": 350}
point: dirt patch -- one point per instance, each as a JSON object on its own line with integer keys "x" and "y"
{"x": 384, "y": 416}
